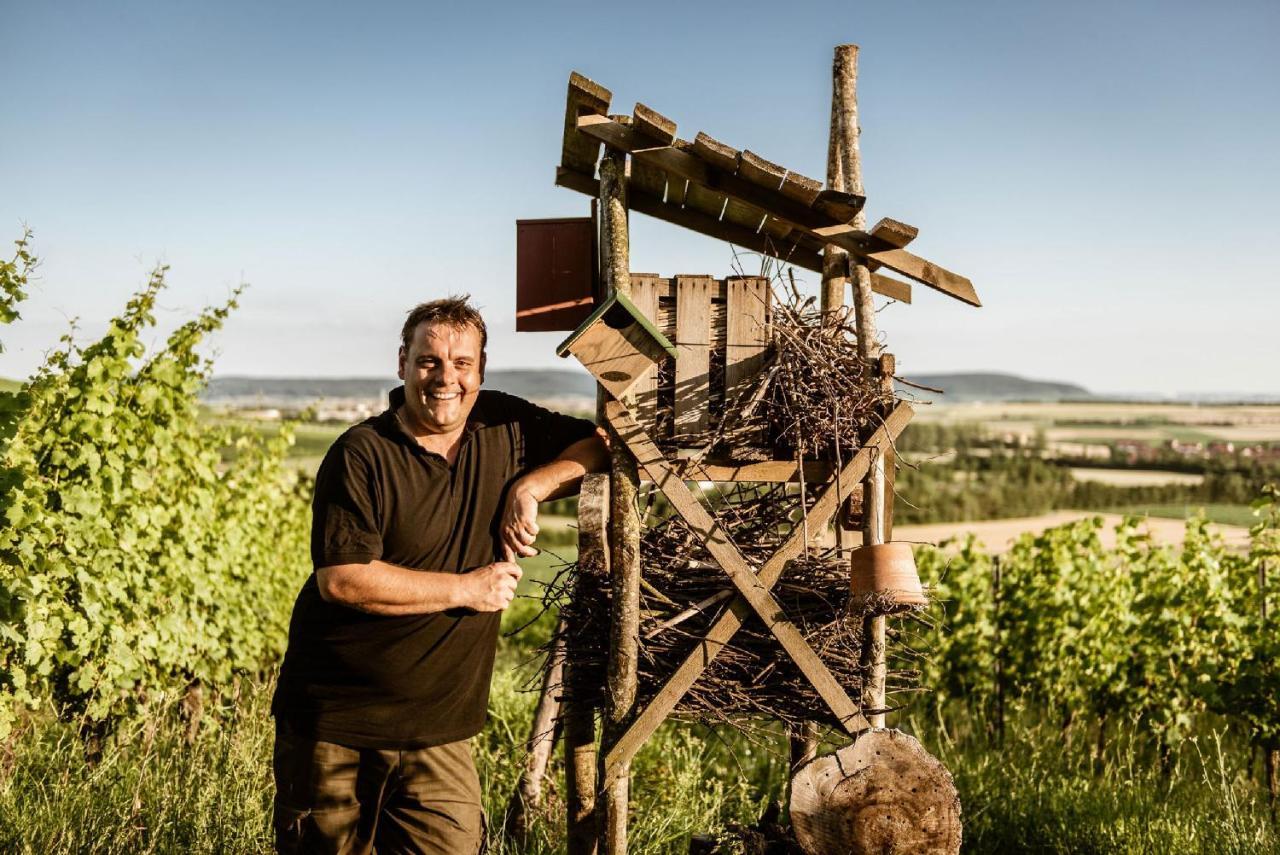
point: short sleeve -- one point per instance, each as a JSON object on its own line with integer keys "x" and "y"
{"x": 345, "y": 525}
{"x": 547, "y": 434}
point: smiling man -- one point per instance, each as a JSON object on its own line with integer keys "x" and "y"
{"x": 418, "y": 517}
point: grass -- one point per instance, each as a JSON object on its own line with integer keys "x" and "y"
{"x": 1241, "y": 515}
{"x": 152, "y": 791}
{"x": 160, "y": 786}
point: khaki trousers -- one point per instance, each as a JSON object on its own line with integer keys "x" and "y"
{"x": 337, "y": 800}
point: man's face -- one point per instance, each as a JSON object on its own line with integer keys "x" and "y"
{"x": 442, "y": 371}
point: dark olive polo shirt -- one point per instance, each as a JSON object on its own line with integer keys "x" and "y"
{"x": 371, "y": 681}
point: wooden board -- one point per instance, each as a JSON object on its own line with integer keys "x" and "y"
{"x": 579, "y": 152}
{"x": 645, "y": 288}
{"x": 616, "y": 358}
{"x": 774, "y": 471}
{"x": 693, "y": 349}
{"x": 829, "y": 497}
{"x": 746, "y": 341}
{"x": 653, "y": 125}
{"x": 759, "y": 171}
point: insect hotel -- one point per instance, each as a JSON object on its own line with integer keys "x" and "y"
{"x": 737, "y": 561}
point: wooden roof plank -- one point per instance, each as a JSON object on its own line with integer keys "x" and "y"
{"x": 716, "y": 153}
{"x": 801, "y": 188}
{"x": 894, "y": 233}
{"x": 759, "y": 171}
{"x": 654, "y": 125}
{"x": 586, "y": 97}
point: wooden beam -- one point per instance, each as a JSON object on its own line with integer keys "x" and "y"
{"x": 774, "y": 471}
{"x": 735, "y": 566}
{"x": 891, "y": 288}
{"x": 829, "y": 498}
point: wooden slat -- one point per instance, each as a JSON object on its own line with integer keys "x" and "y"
{"x": 644, "y": 294}
{"x": 751, "y": 589}
{"x": 759, "y": 171}
{"x": 693, "y": 349}
{"x": 579, "y": 151}
{"x": 829, "y": 497}
{"x": 839, "y": 206}
{"x": 927, "y": 273}
{"x": 772, "y": 471}
{"x": 893, "y": 233}
{"x": 746, "y": 338}
{"x": 654, "y": 125}
{"x": 802, "y": 188}
{"x": 716, "y": 153}
{"x": 646, "y": 179}
{"x": 891, "y": 288}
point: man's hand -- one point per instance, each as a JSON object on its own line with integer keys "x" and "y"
{"x": 490, "y": 588}
{"x": 519, "y": 526}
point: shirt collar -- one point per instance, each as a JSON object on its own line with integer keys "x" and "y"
{"x": 393, "y": 425}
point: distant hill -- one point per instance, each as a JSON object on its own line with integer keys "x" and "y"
{"x": 540, "y": 384}
{"x": 557, "y": 384}
{"x": 959, "y": 388}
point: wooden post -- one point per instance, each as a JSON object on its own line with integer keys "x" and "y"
{"x": 527, "y": 798}
{"x": 844, "y": 172}
{"x": 624, "y": 522}
{"x": 579, "y": 718}
{"x": 999, "y": 652}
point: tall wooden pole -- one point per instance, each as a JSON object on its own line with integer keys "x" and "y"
{"x": 624, "y": 523}
{"x": 845, "y": 158}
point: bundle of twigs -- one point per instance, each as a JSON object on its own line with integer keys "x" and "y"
{"x": 814, "y": 396}
{"x": 683, "y": 593}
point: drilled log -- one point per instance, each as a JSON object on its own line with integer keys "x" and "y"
{"x": 884, "y": 794}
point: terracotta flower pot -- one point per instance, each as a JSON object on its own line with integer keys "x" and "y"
{"x": 886, "y": 569}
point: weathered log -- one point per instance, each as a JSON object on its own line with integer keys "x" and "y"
{"x": 882, "y": 794}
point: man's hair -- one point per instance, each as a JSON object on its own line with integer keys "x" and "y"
{"x": 456, "y": 312}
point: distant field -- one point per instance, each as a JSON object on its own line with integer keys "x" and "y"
{"x": 1099, "y": 422}
{"x": 1229, "y": 515}
{"x": 1136, "y": 477}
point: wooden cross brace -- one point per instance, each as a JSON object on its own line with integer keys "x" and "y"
{"x": 753, "y": 588}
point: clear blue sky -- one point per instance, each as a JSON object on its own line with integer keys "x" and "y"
{"x": 1105, "y": 173}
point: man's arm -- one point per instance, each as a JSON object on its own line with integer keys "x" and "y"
{"x": 385, "y": 589}
{"x": 560, "y": 477}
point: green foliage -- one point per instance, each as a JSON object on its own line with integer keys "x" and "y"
{"x": 1138, "y": 631}
{"x": 14, "y": 275}
{"x": 132, "y": 561}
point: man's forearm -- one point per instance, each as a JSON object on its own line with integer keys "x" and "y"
{"x": 387, "y": 589}
{"x": 562, "y": 476}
